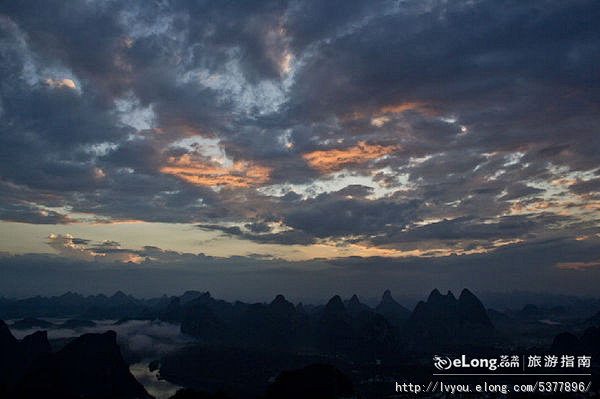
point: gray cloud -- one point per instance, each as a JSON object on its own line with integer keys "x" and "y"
{"x": 585, "y": 187}
{"x": 26, "y": 213}
{"x": 487, "y": 112}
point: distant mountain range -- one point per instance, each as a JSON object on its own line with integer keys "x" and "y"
{"x": 281, "y": 325}
{"x": 71, "y": 304}
{"x": 350, "y": 326}
{"x": 239, "y": 346}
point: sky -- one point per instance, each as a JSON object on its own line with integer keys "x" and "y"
{"x": 304, "y": 147}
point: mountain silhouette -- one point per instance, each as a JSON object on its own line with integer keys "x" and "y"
{"x": 90, "y": 366}
{"x": 392, "y": 310}
{"x": 444, "y": 322}
{"x": 334, "y": 327}
{"x": 374, "y": 337}
{"x": 173, "y": 312}
{"x": 119, "y": 298}
{"x": 276, "y": 325}
{"x": 354, "y": 306}
{"x": 17, "y": 356}
{"x": 119, "y": 305}
{"x": 201, "y": 322}
{"x": 190, "y": 295}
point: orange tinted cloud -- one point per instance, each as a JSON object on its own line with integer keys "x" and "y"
{"x": 358, "y": 249}
{"x": 388, "y": 109}
{"x": 60, "y": 83}
{"x": 563, "y": 182}
{"x": 398, "y": 108}
{"x": 557, "y": 207}
{"x": 110, "y": 222}
{"x": 205, "y": 173}
{"x": 519, "y": 207}
{"x": 332, "y": 160}
{"x": 577, "y": 265}
{"x": 133, "y": 258}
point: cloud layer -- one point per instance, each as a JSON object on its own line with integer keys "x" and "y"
{"x": 391, "y": 128}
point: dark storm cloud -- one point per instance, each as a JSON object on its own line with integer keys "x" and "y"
{"x": 80, "y": 241}
{"x": 45, "y": 123}
{"x": 147, "y": 197}
{"x": 506, "y": 70}
{"x": 519, "y": 190}
{"x": 255, "y": 31}
{"x": 312, "y": 21}
{"x": 26, "y": 213}
{"x": 43, "y": 127}
{"x": 355, "y": 191}
{"x": 329, "y": 217}
{"x": 460, "y": 51}
{"x": 86, "y": 37}
{"x": 290, "y": 237}
{"x": 479, "y": 109}
{"x": 465, "y": 228}
{"x": 342, "y": 213}
{"x": 258, "y": 227}
{"x": 585, "y": 187}
{"x": 531, "y": 266}
{"x": 227, "y": 230}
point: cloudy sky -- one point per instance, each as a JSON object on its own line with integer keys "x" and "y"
{"x": 306, "y": 147}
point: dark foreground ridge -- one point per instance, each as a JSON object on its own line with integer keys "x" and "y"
{"x": 90, "y": 366}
